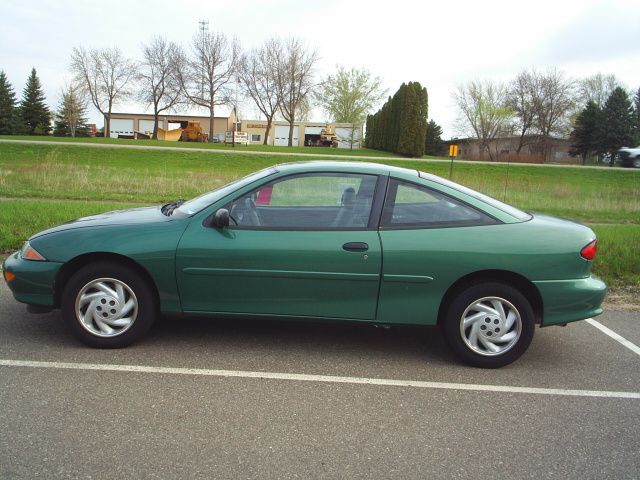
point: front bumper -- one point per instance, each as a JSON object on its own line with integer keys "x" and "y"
{"x": 34, "y": 282}
{"x": 570, "y": 300}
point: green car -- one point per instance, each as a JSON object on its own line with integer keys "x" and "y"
{"x": 323, "y": 241}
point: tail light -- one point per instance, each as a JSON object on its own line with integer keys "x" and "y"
{"x": 590, "y": 250}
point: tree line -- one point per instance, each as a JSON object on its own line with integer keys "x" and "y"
{"x": 537, "y": 106}
{"x": 279, "y": 77}
{"x": 603, "y": 130}
{"x": 29, "y": 116}
{"x": 400, "y": 126}
{"x": 32, "y": 116}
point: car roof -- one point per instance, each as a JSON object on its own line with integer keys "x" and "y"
{"x": 338, "y": 166}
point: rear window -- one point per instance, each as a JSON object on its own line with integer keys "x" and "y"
{"x": 514, "y": 212}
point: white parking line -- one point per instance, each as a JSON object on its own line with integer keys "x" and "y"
{"x": 319, "y": 378}
{"x": 618, "y": 338}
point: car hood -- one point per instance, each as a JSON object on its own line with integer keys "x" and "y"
{"x": 131, "y": 216}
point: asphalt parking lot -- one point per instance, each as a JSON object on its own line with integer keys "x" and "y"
{"x": 263, "y": 399}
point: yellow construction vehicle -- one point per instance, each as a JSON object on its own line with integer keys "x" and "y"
{"x": 169, "y": 135}
{"x": 328, "y": 137}
{"x": 193, "y": 133}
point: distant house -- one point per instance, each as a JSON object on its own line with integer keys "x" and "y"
{"x": 535, "y": 149}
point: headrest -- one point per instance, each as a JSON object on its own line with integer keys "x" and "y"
{"x": 348, "y": 196}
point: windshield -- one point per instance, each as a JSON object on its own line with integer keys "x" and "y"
{"x": 196, "y": 204}
{"x": 514, "y": 212}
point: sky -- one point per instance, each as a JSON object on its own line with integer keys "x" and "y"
{"x": 439, "y": 44}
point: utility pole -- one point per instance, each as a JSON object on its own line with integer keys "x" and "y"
{"x": 235, "y": 109}
{"x": 204, "y": 29}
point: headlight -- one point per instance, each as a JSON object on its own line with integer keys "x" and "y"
{"x": 30, "y": 253}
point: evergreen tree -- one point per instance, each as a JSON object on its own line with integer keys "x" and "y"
{"x": 433, "y": 140}
{"x": 34, "y": 113}
{"x": 70, "y": 119}
{"x": 616, "y": 126}
{"x": 584, "y": 140}
{"x": 636, "y": 118}
{"x": 400, "y": 125}
{"x": 403, "y": 120}
{"x": 7, "y": 106}
{"x": 413, "y": 121}
{"x": 398, "y": 108}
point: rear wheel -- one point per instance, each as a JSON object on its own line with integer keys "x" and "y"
{"x": 108, "y": 305}
{"x": 489, "y": 325}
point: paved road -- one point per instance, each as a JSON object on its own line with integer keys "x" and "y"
{"x": 292, "y": 154}
{"x": 94, "y": 422}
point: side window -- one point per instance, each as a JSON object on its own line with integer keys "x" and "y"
{"x": 411, "y": 205}
{"x": 312, "y": 201}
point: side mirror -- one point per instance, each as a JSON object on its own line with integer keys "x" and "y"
{"x": 221, "y": 218}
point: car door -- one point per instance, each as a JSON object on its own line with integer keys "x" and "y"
{"x": 302, "y": 245}
{"x": 430, "y": 240}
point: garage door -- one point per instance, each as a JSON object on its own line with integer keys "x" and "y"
{"x": 146, "y": 126}
{"x": 120, "y": 126}
{"x": 344, "y": 137}
{"x": 282, "y": 136}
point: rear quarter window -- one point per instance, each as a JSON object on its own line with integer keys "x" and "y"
{"x": 411, "y": 205}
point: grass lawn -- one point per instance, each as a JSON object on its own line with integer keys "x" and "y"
{"x": 37, "y": 182}
{"x": 213, "y": 146}
{"x": 618, "y": 259}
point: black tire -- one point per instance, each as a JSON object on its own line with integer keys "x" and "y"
{"x": 468, "y": 303}
{"x": 135, "y": 288}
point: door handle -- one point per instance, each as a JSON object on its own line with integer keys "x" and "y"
{"x": 355, "y": 247}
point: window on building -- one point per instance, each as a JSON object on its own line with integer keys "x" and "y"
{"x": 255, "y": 138}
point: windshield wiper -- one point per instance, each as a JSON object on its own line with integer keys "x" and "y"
{"x": 171, "y": 206}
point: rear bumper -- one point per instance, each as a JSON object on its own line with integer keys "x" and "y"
{"x": 570, "y": 300}
{"x": 34, "y": 282}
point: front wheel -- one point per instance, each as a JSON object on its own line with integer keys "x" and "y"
{"x": 108, "y": 305}
{"x": 489, "y": 325}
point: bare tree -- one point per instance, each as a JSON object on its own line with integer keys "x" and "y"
{"x": 259, "y": 79}
{"x": 158, "y": 79}
{"x": 304, "y": 109}
{"x": 555, "y": 101}
{"x": 483, "y": 111}
{"x": 295, "y": 79}
{"x": 70, "y": 117}
{"x": 597, "y": 88}
{"x": 521, "y": 99}
{"x": 207, "y": 74}
{"x": 104, "y": 75}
